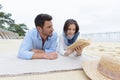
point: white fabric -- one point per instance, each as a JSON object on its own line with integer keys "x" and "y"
{"x": 11, "y": 65}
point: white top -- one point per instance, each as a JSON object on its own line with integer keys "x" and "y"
{"x": 62, "y": 47}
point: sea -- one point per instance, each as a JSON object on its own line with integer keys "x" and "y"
{"x": 103, "y": 36}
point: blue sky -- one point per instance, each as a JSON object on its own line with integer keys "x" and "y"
{"x": 91, "y": 15}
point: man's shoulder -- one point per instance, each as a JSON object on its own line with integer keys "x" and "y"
{"x": 31, "y": 32}
{"x": 54, "y": 35}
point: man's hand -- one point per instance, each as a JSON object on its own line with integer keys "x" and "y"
{"x": 52, "y": 55}
{"x": 78, "y": 50}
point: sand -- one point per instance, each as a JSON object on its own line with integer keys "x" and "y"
{"x": 100, "y": 48}
{"x": 94, "y": 49}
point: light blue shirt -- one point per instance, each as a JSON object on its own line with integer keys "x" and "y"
{"x": 33, "y": 40}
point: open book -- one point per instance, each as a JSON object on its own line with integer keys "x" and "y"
{"x": 80, "y": 42}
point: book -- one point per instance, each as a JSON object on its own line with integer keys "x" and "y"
{"x": 80, "y": 42}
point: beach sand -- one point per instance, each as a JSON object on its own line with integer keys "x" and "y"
{"x": 100, "y": 48}
{"x": 94, "y": 49}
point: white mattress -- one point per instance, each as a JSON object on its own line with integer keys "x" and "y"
{"x": 10, "y": 65}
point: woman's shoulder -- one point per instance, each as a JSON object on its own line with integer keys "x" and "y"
{"x": 79, "y": 36}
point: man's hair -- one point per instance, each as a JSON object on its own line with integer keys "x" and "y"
{"x": 68, "y": 22}
{"x": 41, "y": 18}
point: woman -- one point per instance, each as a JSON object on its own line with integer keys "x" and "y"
{"x": 69, "y": 36}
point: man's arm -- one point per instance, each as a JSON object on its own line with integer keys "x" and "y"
{"x": 26, "y": 46}
{"x": 40, "y": 54}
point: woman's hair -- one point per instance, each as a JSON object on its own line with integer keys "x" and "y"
{"x": 68, "y": 22}
{"x": 41, "y": 18}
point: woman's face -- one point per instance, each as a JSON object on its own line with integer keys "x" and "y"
{"x": 71, "y": 30}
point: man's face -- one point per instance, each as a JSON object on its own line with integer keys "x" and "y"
{"x": 47, "y": 28}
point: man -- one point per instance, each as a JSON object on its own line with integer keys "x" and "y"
{"x": 40, "y": 42}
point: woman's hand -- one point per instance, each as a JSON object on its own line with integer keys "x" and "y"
{"x": 68, "y": 52}
{"x": 78, "y": 51}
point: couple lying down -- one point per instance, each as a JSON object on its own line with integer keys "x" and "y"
{"x": 41, "y": 42}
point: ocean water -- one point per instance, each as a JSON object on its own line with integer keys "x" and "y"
{"x": 103, "y": 37}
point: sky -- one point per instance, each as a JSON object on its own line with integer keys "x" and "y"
{"x": 92, "y": 15}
